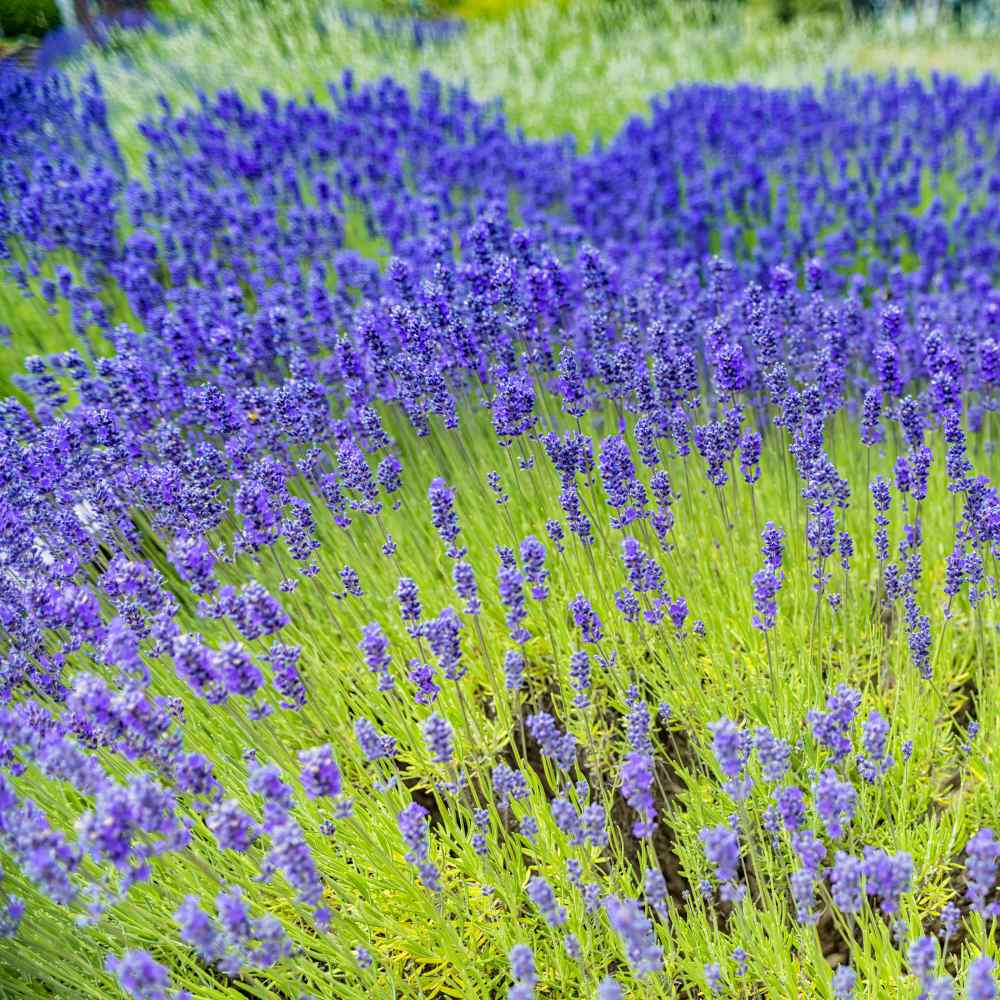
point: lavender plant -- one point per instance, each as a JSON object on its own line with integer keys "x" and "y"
{"x": 444, "y": 564}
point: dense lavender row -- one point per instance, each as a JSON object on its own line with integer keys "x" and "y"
{"x": 867, "y": 174}
{"x": 432, "y": 572}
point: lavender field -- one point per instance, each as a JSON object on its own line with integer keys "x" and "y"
{"x": 438, "y": 561}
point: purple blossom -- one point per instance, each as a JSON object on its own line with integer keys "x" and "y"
{"x": 438, "y": 737}
{"x": 831, "y": 728}
{"x": 637, "y": 789}
{"x": 510, "y": 585}
{"x": 845, "y": 883}
{"x": 579, "y": 678}
{"x": 585, "y": 619}
{"x": 533, "y": 559}
{"x": 320, "y": 775}
{"x": 844, "y": 982}
{"x": 554, "y": 743}
{"x": 141, "y": 977}
{"x": 982, "y": 852}
{"x": 508, "y": 785}
{"x": 608, "y": 989}
{"x": 373, "y": 745}
{"x": 234, "y": 830}
{"x": 409, "y": 603}
{"x": 513, "y": 668}
{"x": 722, "y": 849}
{"x": 465, "y": 587}
{"x": 791, "y": 805}
{"x": 887, "y": 876}
{"x": 979, "y": 983}
{"x": 413, "y": 826}
{"x": 442, "y": 634}
{"x": 375, "y": 648}
{"x": 836, "y": 802}
{"x": 522, "y": 964}
{"x": 443, "y": 517}
{"x": 773, "y": 753}
{"x": 642, "y": 951}
{"x": 541, "y": 894}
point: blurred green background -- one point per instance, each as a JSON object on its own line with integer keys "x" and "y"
{"x": 560, "y": 66}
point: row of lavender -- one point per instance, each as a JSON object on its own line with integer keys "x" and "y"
{"x": 424, "y": 595}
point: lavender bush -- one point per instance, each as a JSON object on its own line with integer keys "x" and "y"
{"x": 437, "y": 562}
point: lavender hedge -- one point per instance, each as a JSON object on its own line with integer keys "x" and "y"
{"x": 437, "y": 562}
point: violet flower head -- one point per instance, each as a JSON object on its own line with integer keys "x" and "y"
{"x": 513, "y": 669}
{"x": 541, "y": 894}
{"x": 773, "y": 538}
{"x": 442, "y": 634}
{"x": 373, "y": 744}
{"x": 731, "y": 749}
{"x": 240, "y": 675}
{"x": 555, "y": 532}
{"x": 265, "y": 780}
{"x": 713, "y": 978}
{"x": 522, "y": 966}
{"x": 637, "y": 790}
{"x": 286, "y": 677}
{"x": 617, "y": 471}
{"x": 845, "y": 883}
{"x": 678, "y": 612}
{"x": 553, "y": 742}
{"x": 810, "y": 849}
{"x": 466, "y": 588}
{"x": 922, "y": 957}
{"x": 722, "y": 849}
{"x": 642, "y": 951}
{"x": 951, "y": 919}
{"x": 655, "y": 890}
{"x": 803, "y": 886}
{"x": 586, "y": 619}
{"x": 198, "y": 930}
{"x": 750, "y": 451}
{"x": 443, "y": 517}
{"x": 773, "y": 753}
{"x": 981, "y": 852}
{"x": 844, "y": 982}
{"x": 413, "y": 827}
{"x": 194, "y": 560}
{"x": 320, "y": 775}
{"x": 508, "y": 785}
{"x": 609, "y": 989}
{"x": 522, "y": 963}
{"x": 875, "y": 761}
{"x": 791, "y": 805}
{"x": 766, "y": 585}
{"x": 389, "y": 474}
{"x": 438, "y": 737}
{"x": 579, "y": 678}
{"x": 375, "y": 647}
{"x": 831, "y": 728}
{"x": 409, "y": 604}
{"x": 836, "y": 802}
{"x": 887, "y": 876}
{"x": 234, "y": 830}
{"x": 533, "y": 560}
{"x": 510, "y": 584}
{"x": 979, "y": 983}
{"x": 141, "y": 976}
